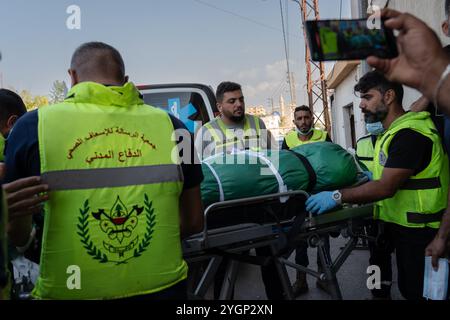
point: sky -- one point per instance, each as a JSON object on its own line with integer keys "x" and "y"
{"x": 162, "y": 41}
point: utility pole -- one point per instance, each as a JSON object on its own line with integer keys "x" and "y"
{"x": 293, "y": 89}
{"x": 270, "y": 100}
{"x": 315, "y": 71}
{"x": 286, "y": 51}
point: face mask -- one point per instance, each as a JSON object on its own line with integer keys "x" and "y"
{"x": 303, "y": 133}
{"x": 375, "y": 128}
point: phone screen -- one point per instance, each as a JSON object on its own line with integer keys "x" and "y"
{"x": 349, "y": 40}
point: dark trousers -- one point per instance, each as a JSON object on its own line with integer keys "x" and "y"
{"x": 409, "y": 245}
{"x": 380, "y": 255}
{"x": 301, "y": 253}
{"x": 269, "y": 274}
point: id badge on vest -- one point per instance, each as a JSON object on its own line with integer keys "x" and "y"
{"x": 382, "y": 158}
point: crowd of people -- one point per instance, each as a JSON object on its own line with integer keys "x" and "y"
{"x": 123, "y": 217}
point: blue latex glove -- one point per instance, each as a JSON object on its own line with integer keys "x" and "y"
{"x": 369, "y": 175}
{"x": 321, "y": 202}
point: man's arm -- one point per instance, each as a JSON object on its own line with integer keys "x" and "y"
{"x": 24, "y": 198}
{"x": 191, "y": 212}
{"x": 190, "y": 206}
{"x": 386, "y": 187}
{"x": 390, "y": 182}
{"x": 409, "y": 153}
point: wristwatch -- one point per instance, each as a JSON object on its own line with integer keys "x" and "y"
{"x": 337, "y": 196}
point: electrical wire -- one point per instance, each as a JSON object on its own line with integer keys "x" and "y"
{"x": 236, "y": 15}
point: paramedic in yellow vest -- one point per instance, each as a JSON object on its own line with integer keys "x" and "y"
{"x": 233, "y": 129}
{"x": 11, "y": 109}
{"x": 410, "y": 179}
{"x": 304, "y": 131}
{"x": 118, "y": 206}
{"x": 380, "y": 251}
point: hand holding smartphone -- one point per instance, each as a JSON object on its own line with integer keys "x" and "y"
{"x": 332, "y": 40}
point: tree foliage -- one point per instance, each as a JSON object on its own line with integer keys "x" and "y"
{"x": 33, "y": 102}
{"x": 58, "y": 92}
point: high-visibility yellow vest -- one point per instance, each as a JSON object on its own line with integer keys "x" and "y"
{"x": 422, "y": 200}
{"x": 365, "y": 150}
{"x": 111, "y": 226}
{"x": 226, "y": 140}
{"x": 292, "y": 139}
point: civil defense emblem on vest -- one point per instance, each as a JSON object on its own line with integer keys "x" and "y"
{"x": 117, "y": 234}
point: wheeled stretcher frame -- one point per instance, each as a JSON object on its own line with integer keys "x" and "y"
{"x": 234, "y": 243}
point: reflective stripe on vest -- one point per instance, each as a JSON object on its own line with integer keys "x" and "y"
{"x": 112, "y": 220}
{"x": 293, "y": 141}
{"x": 226, "y": 140}
{"x": 421, "y": 200}
{"x": 112, "y": 177}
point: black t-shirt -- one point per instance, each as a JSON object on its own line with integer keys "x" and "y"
{"x": 285, "y": 146}
{"x": 409, "y": 150}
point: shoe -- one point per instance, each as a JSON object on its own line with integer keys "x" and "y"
{"x": 300, "y": 285}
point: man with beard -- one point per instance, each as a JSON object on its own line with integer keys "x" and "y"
{"x": 411, "y": 177}
{"x": 233, "y": 130}
{"x": 305, "y": 133}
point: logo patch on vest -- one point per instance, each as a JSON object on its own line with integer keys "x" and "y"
{"x": 382, "y": 158}
{"x": 116, "y": 231}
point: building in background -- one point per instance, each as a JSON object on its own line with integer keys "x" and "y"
{"x": 346, "y": 116}
{"x": 258, "y": 111}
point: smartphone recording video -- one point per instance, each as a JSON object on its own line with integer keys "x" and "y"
{"x": 332, "y": 40}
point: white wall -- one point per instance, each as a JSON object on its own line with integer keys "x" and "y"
{"x": 431, "y": 11}
{"x": 342, "y": 97}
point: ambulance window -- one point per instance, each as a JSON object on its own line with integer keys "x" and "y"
{"x": 189, "y": 107}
